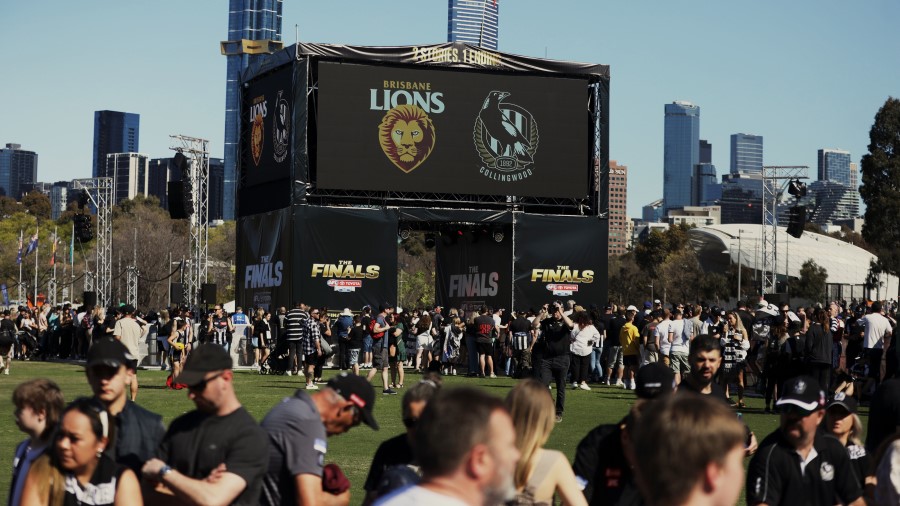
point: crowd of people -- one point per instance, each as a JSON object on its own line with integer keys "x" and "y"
{"x": 814, "y": 366}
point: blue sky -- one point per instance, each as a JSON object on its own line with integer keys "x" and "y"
{"x": 805, "y": 74}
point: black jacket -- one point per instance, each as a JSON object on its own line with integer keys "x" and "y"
{"x": 818, "y": 346}
{"x": 138, "y": 434}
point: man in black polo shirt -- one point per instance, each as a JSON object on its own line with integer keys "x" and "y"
{"x": 798, "y": 465}
{"x": 556, "y": 329}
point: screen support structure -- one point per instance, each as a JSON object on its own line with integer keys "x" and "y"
{"x": 775, "y": 179}
{"x": 197, "y": 150}
{"x": 100, "y": 192}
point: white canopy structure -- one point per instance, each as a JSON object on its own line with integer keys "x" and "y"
{"x": 847, "y": 265}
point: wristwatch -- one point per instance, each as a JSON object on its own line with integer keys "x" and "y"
{"x": 164, "y": 470}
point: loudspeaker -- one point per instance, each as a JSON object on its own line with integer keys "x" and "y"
{"x": 797, "y": 221}
{"x": 176, "y": 293}
{"x": 89, "y": 298}
{"x": 175, "y": 197}
{"x": 208, "y": 293}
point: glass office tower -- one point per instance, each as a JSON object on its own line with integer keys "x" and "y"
{"x": 474, "y": 22}
{"x": 682, "y": 153}
{"x": 746, "y": 153}
{"x": 114, "y": 132}
{"x": 834, "y": 165}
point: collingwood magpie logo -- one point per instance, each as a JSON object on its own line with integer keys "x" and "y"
{"x": 506, "y": 138}
{"x": 281, "y": 128}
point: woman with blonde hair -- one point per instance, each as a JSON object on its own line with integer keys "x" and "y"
{"x": 735, "y": 345}
{"x": 540, "y": 473}
{"x": 842, "y": 422}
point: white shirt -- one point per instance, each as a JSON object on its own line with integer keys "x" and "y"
{"x": 679, "y": 343}
{"x": 662, "y": 333}
{"x": 416, "y": 496}
{"x": 877, "y": 326}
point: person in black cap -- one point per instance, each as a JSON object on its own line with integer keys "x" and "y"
{"x": 215, "y": 454}
{"x": 138, "y": 431}
{"x": 602, "y": 466}
{"x": 797, "y": 464}
{"x": 842, "y": 422}
{"x": 298, "y": 427}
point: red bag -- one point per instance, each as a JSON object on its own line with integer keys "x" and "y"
{"x": 170, "y": 383}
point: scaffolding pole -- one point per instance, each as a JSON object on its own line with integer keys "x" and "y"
{"x": 197, "y": 151}
{"x": 775, "y": 179}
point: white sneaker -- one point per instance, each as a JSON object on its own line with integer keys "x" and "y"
{"x": 584, "y": 386}
{"x": 6, "y": 371}
{"x": 633, "y": 386}
{"x": 619, "y": 383}
{"x": 289, "y": 373}
{"x": 574, "y": 385}
{"x": 312, "y": 386}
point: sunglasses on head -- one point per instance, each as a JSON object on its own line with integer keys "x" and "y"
{"x": 200, "y": 387}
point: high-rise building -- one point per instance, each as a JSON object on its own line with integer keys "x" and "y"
{"x": 114, "y": 132}
{"x": 829, "y": 200}
{"x": 682, "y": 153}
{"x": 474, "y": 22}
{"x": 216, "y": 188}
{"x": 618, "y": 212}
{"x": 159, "y": 172}
{"x": 854, "y": 176}
{"x": 129, "y": 172}
{"x": 746, "y": 153}
{"x": 706, "y": 186}
{"x": 652, "y": 212}
{"x": 18, "y": 170}
{"x": 59, "y": 198}
{"x": 705, "y": 151}
{"x": 254, "y": 29}
{"x": 741, "y": 199}
{"x": 834, "y": 165}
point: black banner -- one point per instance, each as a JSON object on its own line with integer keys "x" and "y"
{"x": 264, "y": 260}
{"x": 267, "y": 112}
{"x": 344, "y": 257}
{"x": 435, "y": 130}
{"x": 473, "y": 270}
{"x": 560, "y": 258}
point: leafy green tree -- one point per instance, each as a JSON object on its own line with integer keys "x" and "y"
{"x": 880, "y": 188}
{"x": 811, "y": 284}
{"x": 8, "y": 206}
{"x": 37, "y": 204}
{"x": 627, "y": 283}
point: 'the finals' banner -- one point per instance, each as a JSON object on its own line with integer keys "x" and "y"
{"x": 473, "y": 274}
{"x": 560, "y": 257}
{"x": 263, "y": 260}
{"x": 345, "y": 257}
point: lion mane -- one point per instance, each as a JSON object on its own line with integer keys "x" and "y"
{"x": 407, "y": 113}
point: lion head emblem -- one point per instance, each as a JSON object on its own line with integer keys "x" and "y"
{"x": 256, "y": 139}
{"x": 407, "y": 136}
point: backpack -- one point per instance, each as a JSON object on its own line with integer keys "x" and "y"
{"x": 375, "y": 335}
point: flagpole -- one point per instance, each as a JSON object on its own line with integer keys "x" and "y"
{"x": 72, "y": 262}
{"x": 21, "y": 292}
{"x": 53, "y": 259}
{"x": 36, "y": 250}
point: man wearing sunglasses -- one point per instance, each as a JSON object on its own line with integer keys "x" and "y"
{"x": 797, "y": 464}
{"x": 298, "y": 428}
{"x": 216, "y": 454}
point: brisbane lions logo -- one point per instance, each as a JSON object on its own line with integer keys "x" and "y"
{"x": 407, "y": 136}
{"x": 256, "y": 139}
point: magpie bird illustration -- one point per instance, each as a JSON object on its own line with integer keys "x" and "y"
{"x": 501, "y": 128}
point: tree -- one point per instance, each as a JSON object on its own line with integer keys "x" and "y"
{"x": 627, "y": 283}
{"x": 811, "y": 284}
{"x": 880, "y": 188}
{"x": 8, "y": 206}
{"x": 37, "y": 204}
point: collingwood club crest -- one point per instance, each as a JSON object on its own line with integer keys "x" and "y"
{"x": 281, "y": 128}
{"x": 506, "y": 138}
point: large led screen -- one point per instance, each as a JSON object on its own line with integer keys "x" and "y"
{"x": 450, "y": 131}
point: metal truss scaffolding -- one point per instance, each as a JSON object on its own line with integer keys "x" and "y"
{"x": 197, "y": 151}
{"x": 775, "y": 179}
{"x": 100, "y": 192}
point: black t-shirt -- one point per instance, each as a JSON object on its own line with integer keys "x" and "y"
{"x": 884, "y": 414}
{"x": 774, "y": 475}
{"x": 717, "y": 392}
{"x": 614, "y": 329}
{"x": 484, "y": 328}
{"x": 394, "y": 451}
{"x": 601, "y": 465}
{"x": 555, "y": 334}
{"x": 196, "y": 443}
{"x": 356, "y": 335}
{"x": 520, "y": 325}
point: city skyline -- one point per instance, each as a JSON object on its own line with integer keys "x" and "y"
{"x": 790, "y": 92}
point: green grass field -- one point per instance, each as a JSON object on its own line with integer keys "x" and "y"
{"x": 352, "y": 451}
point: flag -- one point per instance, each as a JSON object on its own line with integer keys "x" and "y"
{"x": 53, "y": 241}
{"x": 19, "y": 256}
{"x": 33, "y": 244}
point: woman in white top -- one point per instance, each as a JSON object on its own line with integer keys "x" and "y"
{"x": 423, "y": 342}
{"x": 540, "y": 473}
{"x": 584, "y": 336}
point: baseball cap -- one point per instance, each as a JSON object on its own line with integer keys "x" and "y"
{"x": 630, "y": 308}
{"x": 657, "y": 301}
{"x": 127, "y": 309}
{"x": 802, "y": 392}
{"x": 358, "y": 391}
{"x": 109, "y": 352}
{"x": 648, "y": 304}
{"x": 204, "y": 359}
{"x": 654, "y": 380}
{"x": 843, "y": 400}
